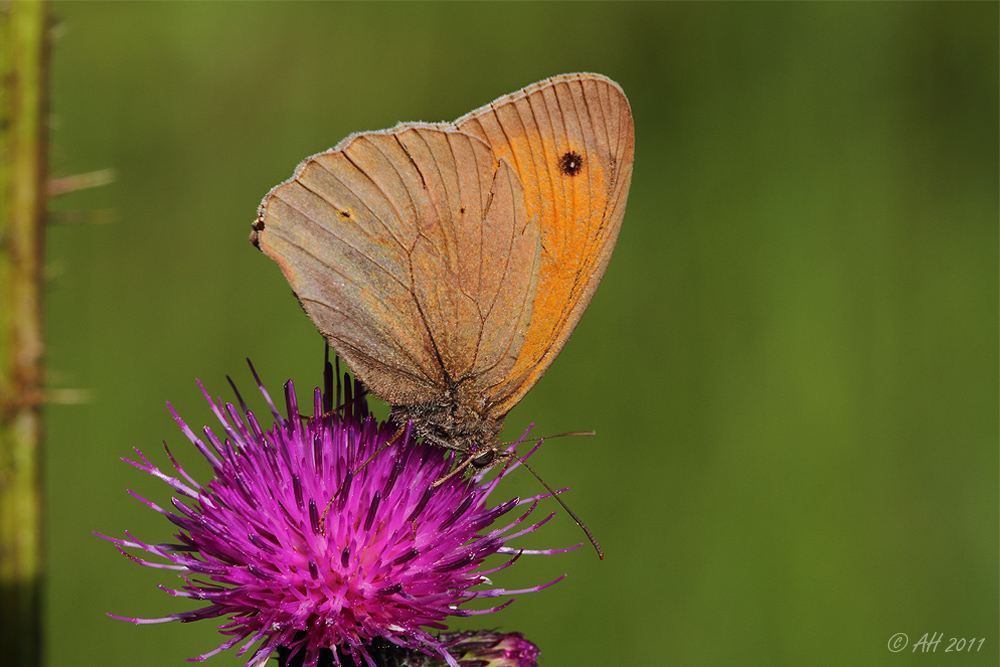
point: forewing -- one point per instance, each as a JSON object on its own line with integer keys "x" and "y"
{"x": 571, "y": 141}
{"x": 400, "y": 245}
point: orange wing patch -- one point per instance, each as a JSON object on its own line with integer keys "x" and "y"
{"x": 571, "y": 142}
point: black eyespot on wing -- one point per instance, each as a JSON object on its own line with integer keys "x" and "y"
{"x": 571, "y": 163}
{"x": 345, "y": 214}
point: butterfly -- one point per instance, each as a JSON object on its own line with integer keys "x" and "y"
{"x": 448, "y": 263}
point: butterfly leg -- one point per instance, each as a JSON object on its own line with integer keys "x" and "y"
{"x": 461, "y": 467}
{"x": 387, "y": 445}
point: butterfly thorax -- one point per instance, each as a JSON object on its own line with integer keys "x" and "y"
{"x": 451, "y": 425}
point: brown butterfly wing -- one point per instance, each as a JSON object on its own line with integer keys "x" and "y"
{"x": 412, "y": 252}
{"x": 571, "y": 141}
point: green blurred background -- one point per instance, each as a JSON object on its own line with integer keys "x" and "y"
{"x": 792, "y": 363}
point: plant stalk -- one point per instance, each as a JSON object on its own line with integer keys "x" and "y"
{"x": 24, "y": 60}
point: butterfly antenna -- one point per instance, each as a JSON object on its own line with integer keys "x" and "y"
{"x": 548, "y": 437}
{"x": 590, "y": 535}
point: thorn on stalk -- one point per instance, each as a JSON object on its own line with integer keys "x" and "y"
{"x": 92, "y": 179}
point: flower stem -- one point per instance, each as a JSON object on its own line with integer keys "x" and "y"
{"x": 24, "y": 40}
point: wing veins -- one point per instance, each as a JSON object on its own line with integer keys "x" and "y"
{"x": 359, "y": 352}
{"x": 342, "y": 240}
{"x": 430, "y": 336}
{"x": 374, "y": 215}
{"x": 378, "y": 185}
{"x": 565, "y": 207}
{"x": 421, "y": 234}
{"x": 496, "y": 295}
{"x": 526, "y": 294}
{"x": 583, "y": 276}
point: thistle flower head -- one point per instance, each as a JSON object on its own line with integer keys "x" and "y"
{"x": 328, "y": 532}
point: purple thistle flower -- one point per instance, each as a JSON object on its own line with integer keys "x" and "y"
{"x": 328, "y": 532}
{"x": 482, "y": 648}
{"x": 492, "y": 649}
